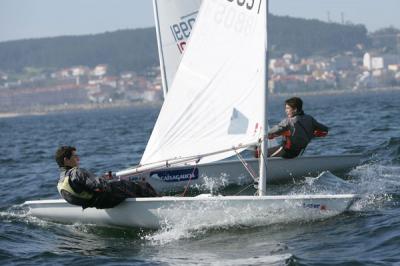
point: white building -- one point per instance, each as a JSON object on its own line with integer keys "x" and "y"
{"x": 394, "y": 67}
{"x": 100, "y": 70}
{"x": 379, "y": 62}
{"x": 79, "y": 71}
{"x": 367, "y": 61}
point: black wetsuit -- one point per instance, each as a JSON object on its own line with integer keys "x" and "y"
{"x": 80, "y": 187}
{"x": 300, "y": 130}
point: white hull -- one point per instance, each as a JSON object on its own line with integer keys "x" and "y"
{"x": 197, "y": 212}
{"x": 233, "y": 172}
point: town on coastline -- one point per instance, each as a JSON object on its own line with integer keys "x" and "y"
{"x": 78, "y": 86}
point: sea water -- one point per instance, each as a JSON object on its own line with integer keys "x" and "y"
{"x": 360, "y": 122}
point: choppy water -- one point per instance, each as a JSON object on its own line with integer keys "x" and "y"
{"x": 365, "y": 122}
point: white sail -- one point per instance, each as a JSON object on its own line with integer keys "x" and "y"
{"x": 174, "y": 22}
{"x": 215, "y": 101}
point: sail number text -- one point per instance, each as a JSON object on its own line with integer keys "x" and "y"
{"x": 249, "y": 4}
{"x": 181, "y": 30}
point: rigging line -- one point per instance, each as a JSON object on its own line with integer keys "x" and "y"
{"x": 246, "y": 166}
{"x": 243, "y": 189}
{"x": 190, "y": 178}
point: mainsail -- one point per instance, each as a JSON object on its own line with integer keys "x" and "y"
{"x": 174, "y": 22}
{"x": 215, "y": 99}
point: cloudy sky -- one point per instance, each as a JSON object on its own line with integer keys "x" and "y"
{"x": 22, "y": 19}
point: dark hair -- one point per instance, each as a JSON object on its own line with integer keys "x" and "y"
{"x": 295, "y": 103}
{"x": 64, "y": 152}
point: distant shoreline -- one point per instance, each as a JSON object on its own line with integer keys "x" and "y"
{"x": 76, "y": 107}
{"x": 335, "y": 92}
{"x": 51, "y": 109}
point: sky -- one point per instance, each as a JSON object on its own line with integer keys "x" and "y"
{"x": 26, "y": 19}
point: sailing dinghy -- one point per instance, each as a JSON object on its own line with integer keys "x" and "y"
{"x": 174, "y": 20}
{"x": 218, "y": 99}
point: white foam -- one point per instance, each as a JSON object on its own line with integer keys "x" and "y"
{"x": 218, "y": 215}
{"x": 212, "y": 184}
{"x": 258, "y": 260}
{"x": 377, "y": 178}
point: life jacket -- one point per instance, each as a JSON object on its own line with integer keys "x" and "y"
{"x": 287, "y": 142}
{"x": 63, "y": 185}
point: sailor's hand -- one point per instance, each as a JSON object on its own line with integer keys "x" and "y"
{"x": 319, "y": 133}
{"x": 108, "y": 175}
{"x": 272, "y": 136}
{"x": 104, "y": 186}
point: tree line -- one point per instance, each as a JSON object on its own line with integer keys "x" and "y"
{"x": 136, "y": 49}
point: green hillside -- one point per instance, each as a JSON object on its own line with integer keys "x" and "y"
{"x": 137, "y": 49}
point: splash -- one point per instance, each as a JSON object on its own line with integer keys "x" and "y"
{"x": 376, "y": 178}
{"x": 170, "y": 233}
{"x": 280, "y": 259}
{"x": 190, "y": 220}
{"x": 182, "y": 226}
{"x": 386, "y": 153}
{"x": 20, "y": 213}
{"x": 379, "y": 183}
{"x": 14, "y": 213}
{"x": 213, "y": 184}
{"x": 325, "y": 183}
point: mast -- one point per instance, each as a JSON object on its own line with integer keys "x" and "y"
{"x": 160, "y": 50}
{"x": 262, "y": 184}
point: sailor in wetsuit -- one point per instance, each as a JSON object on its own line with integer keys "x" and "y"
{"x": 297, "y": 130}
{"x": 80, "y": 187}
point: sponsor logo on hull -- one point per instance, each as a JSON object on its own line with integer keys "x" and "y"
{"x": 176, "y": 175}
{"x": 321, "y": 207}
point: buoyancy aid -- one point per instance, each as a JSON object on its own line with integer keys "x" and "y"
{"x": 63, "y": 185}
{"x": 288, "y": 142}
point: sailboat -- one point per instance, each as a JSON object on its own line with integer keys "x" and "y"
{"x": 174, "y": 20}
{"x": 219, "y": 99}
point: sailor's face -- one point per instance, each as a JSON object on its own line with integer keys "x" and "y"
{"x": 290, "y": 111}
{"x": 73, "y": 161}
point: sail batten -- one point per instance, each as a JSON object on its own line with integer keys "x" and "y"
{"x": 213, "y": 102}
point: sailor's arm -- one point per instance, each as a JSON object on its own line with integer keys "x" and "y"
{"x": 278, "y": 130}
{"x": 320, "y": 130}
{"x": 86, "y": 180}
